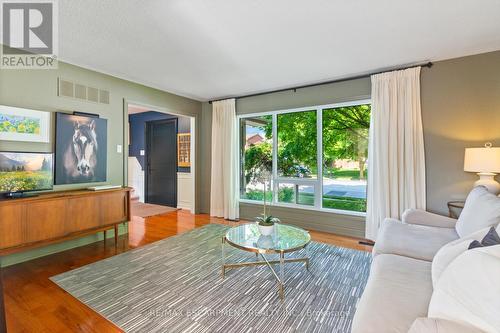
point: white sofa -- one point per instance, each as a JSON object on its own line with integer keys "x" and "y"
{"x": 411, "y": 258}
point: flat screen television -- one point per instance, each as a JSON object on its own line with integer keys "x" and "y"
{"x": 22, "y": 172}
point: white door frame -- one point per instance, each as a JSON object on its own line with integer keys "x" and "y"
{"x": 193, "y": 121}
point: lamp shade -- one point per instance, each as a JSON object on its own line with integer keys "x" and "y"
{"x": 485, "y": 160}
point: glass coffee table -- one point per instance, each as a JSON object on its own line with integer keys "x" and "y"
{"x": 285, "y": 239}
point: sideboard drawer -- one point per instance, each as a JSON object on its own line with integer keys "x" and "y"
{"x": 11, "y": 225}
{"x": 83, "y": 213}
{"x": 45, "y": 220}
{"x": 114, "y": 208}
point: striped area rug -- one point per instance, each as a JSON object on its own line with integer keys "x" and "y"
{"x": 175, "y": 285}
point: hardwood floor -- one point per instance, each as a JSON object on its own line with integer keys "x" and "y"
{"x": 3, "y": 325}
{"x": 35, "y": 304}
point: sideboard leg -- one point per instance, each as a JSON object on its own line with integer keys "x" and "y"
{"x": 116, "y": 236}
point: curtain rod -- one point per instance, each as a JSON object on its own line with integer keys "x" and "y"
{"x": 428, "y": 65}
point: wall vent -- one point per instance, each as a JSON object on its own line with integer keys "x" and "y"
{"x": 66, "y": 88}
{"x": 82, "y": 92}
{"x": 93, "y": 94}
{"x": 103, "y": 96}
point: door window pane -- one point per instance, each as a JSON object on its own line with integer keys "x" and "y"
{"x": 296, "y": 194}
{"x": 256, "y": 158}
{"x": 297, "y": 154}
{"x": 306, "y": 195}
{"x": 345, "y": 155}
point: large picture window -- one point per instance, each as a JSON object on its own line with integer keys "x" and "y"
{"x": 315, "y": 157}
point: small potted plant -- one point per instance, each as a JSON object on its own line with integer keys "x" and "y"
{"x": 266, "y": 222}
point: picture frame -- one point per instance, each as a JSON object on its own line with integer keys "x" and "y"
{"x": 80, "y": 149}
{"x": 184, "y": 150}
{"x": 27, "y": 125}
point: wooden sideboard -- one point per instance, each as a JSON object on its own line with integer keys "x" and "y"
{"x": 3, "y": 323}
{"x": 58, "y": 216}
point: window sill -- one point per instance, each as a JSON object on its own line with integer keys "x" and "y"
{"x": 323, "y": 210}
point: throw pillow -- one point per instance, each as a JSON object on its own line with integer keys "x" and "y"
{"x": 490, "y": 239}
{"x": 475, "y": 244}
{"x": 481, "y": 209}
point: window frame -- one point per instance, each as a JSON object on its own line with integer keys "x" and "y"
{"x": 276, "y": 179}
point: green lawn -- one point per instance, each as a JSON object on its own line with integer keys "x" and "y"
{"x": 342, "y": 174}
{"x": 343, "y": 203}
{"x": 329, "y": 201}
{"x": 335, "y": 202}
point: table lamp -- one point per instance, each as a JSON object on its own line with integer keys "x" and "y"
{"x": 486, "y": 162}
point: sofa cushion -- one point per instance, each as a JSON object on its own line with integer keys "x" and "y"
{"x": 433, "y": 325}
{"x": 398, "y": 291}
{"x": 452, "y": 250}
{"x": 468, "y": 291}
{"x": 411, "y": 240}
{"x": 422, "y": 217}
{"x": 481, "y": 210}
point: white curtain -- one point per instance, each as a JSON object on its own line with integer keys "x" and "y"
{"x": 223, "y": 191}
{"x": 396, "y": 160}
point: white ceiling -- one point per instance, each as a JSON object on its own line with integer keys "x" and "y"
{"x": 205, "y": 49}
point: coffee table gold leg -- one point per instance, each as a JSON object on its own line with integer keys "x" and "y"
{"x": 282, "y": 275}
{"x": 223, "y": 258}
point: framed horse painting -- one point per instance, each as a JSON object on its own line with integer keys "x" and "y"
{"x": 81, "y": 149}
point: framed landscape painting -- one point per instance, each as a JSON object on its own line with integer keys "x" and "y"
{"x": 17, "y": 124}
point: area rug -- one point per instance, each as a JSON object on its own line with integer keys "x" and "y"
{"x": 146, "y": 210}
{"x": 175, "y": 285}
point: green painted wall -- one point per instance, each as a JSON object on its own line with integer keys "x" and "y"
{"x": 37, "y": 89}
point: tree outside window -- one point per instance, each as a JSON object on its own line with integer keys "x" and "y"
{"x": 343, "y": 159}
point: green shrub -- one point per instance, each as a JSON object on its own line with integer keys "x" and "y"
{"x": 286, "y": 194}
{"x": 257, "y": 195}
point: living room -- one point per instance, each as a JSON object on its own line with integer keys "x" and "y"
{"x": 332, "y": 166}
